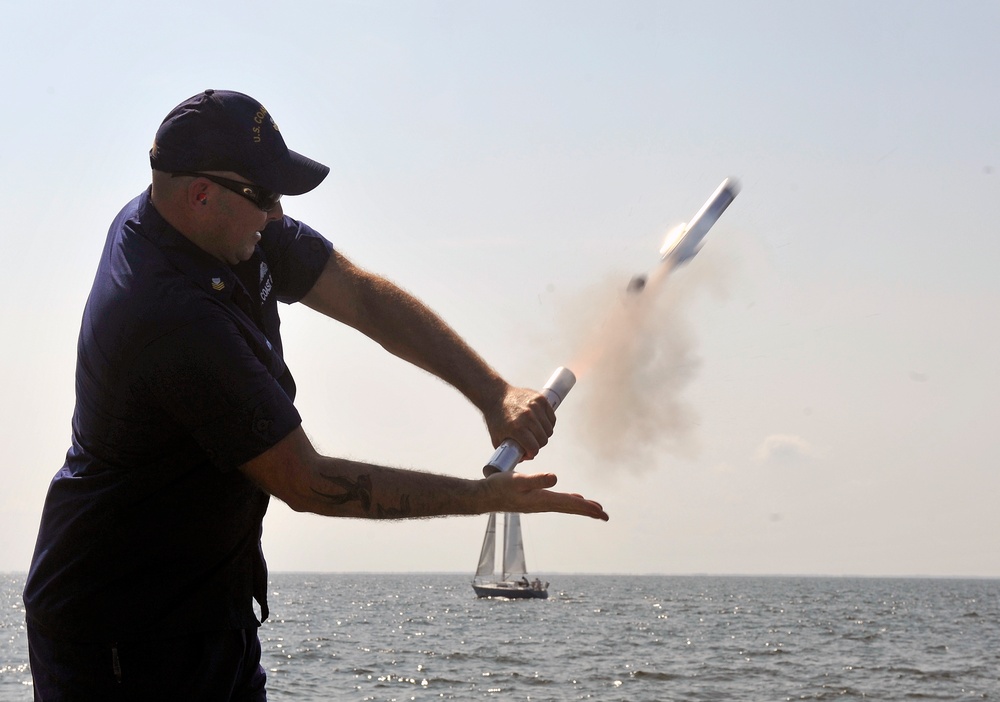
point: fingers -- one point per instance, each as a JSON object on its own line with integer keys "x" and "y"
{"x": 580, "y": 506}
{"x": 529, "y": 493}
{"x": 526, "y": 482}
{"x": 524, "y": 416}
{"x": 533, "y": 423}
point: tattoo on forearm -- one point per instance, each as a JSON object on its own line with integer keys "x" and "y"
{"x": 360, "y": 490}
{"x": 354, "y": 491}
{"x": 392, "y": 513}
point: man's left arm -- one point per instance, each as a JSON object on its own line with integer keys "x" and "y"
{"x": 407, "y": 328}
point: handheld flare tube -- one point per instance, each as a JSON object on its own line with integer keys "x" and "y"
{"x": 510, "y": 453}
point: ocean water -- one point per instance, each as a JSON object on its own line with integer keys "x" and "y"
{"x": 657, "y": 638}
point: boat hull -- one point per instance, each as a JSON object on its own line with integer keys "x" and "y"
{"x": 511, "y": 591}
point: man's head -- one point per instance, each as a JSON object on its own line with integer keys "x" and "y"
{"x": 224, "y": 131}
{"x": 219, "y": 169}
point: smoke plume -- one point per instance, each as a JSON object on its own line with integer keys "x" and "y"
{"x": 638, "y": 357}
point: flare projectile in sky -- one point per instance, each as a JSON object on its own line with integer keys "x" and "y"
{"x": 684, "y": 241}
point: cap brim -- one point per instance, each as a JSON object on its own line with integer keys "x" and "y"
{"x": 294, "y": 176}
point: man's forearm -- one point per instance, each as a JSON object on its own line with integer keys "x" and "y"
{"x": 307, "y": 481}
{"x": 342, "y": 488}
{"x": 407, "y": 328}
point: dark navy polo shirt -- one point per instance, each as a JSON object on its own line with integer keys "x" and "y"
{"x": 149, "y": 528}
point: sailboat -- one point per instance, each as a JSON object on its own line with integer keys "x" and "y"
{"x": 514, "y": 581}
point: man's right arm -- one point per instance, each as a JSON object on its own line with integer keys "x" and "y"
{"x": 407, "y": 328}
{"x": 294, "y": 472}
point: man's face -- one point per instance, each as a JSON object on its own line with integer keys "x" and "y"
{"x": 235, "y": 222}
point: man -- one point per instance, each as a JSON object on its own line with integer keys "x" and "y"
{"x": 148, "y": 555}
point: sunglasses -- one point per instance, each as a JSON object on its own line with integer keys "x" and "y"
{"x": 263, "y": 199}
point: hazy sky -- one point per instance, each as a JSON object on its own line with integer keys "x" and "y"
{"x": 815, "y": 393}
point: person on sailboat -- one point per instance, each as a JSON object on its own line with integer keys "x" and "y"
{"x": 148, "y": 554}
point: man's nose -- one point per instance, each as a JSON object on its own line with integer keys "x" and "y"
{"x": 276, "y": 213}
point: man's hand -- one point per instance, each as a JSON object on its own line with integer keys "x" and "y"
{"x": 524, "y": 416}
{"x": 523, "y": 492}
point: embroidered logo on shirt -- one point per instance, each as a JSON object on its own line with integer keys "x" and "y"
{"x": 265, "y": 282}
{"x": 218, "y": 284}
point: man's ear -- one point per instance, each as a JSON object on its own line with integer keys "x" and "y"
{"x": 197, "y": 193}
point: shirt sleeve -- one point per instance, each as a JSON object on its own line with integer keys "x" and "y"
{"x": 296, "y": 254}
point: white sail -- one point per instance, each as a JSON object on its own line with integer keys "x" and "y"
{"x": 487, "y": 557}
{"x": 513, "y": 548}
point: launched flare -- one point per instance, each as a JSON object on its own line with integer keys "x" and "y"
{"x": 684, "y": 241}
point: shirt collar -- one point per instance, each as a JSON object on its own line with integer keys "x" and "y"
{"x": 203, "y": 269}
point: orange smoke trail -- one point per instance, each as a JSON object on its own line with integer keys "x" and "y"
{"x": 633, "y": 369}
{"x": 618, "y": 331}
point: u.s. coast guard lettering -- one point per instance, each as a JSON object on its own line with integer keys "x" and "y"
{"x": 266, "y": 282}
{"x": 259, "y": 123}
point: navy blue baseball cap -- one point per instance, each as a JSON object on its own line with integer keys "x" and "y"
{"x": 220, "y": 130}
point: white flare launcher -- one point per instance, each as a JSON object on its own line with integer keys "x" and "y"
{"x": 510, "y": 453}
